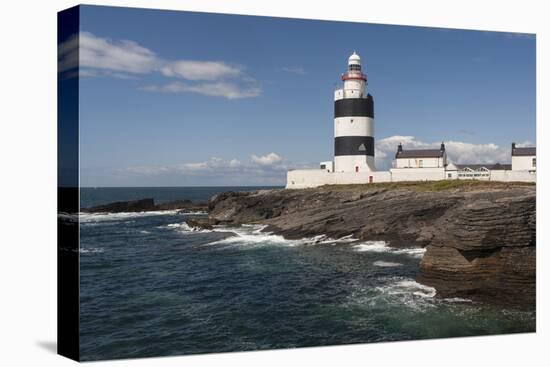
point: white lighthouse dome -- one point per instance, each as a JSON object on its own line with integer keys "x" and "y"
{"x": 354, "y": 59}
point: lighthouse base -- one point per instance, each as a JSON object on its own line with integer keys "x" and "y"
{"x": 354, "y": 163}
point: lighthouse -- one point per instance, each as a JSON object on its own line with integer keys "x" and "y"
{"x": 353, "y": 122}
{"x": 354, "y": 149}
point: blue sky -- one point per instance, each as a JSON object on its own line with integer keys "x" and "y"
{"x": 178, "y": 99}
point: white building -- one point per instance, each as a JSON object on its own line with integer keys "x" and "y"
{"x": 524, "y": 159}
{"x": 421, "y": 158}
{"x": 354, "y": 149}
{"x": 419, "y": 164}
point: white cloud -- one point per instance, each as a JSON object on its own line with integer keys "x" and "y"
{"x": 268, "y": 169}
{"x": 144, "y": 170}
{"x": 234, "y": 163}
{"x": 457, "y": 151}
{"x": 199, "y": 70}
{"x": 524, "y": 144}
{"x": 460, "y": 152}
{"x": 267, "y": 160}
{"x": 121, "y": 58}
{"x": 125, "y": 56}
{"x": 216, "y": 89}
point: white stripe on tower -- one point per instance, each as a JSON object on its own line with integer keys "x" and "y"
{"x": 353, "y": 126}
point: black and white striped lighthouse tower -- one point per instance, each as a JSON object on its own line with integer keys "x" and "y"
{"x": 353, "y": 122}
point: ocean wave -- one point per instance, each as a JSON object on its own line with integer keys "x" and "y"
{"x": 386, "y": 264}
{"x": 182, "y": 211}
{"x": 382, "y": 247}
{"x": 184, "y": 228}
{"x": 91, "y": 250}
{"x": 247, "y": 235}
{"x": 106, "y": 217}
{"x": 251, "y": 236}
{"x": 408, "y": 287}
{"x": 395, "y": 291}
{"x": 408, "y": 292}
{"x": 457, "y": 300}
{"x": 323, "y": 240}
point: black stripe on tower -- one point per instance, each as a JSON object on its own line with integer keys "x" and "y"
{"x": 354, "y": 145}
{"x": 354, "y": 107}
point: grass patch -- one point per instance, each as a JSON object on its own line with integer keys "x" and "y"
{"x": 430, "y": 186}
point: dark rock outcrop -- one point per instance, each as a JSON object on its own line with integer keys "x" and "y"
{"x": 146, "y": 205}
{"x": 485, "y": 244}
{"x": 480, "y": 238}
{"x": 199, "y": 223}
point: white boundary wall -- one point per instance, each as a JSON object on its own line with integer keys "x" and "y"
{"x": 417, "y": 174}
{"x": 513, "y": 176}
{"x": 305, "y": 178}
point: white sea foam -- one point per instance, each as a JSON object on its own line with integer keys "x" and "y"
{"x": 408, "y": 286}
{"x": 90, "y": 250}
{"x": 372, "y": 246}
{"x": 104, "y": 217}
{"x": 251, "y": 236}
{"x": 184, "y": 228}
{"x": 386, "y": 264}
{"x": 382, "y": 247}
{"x": 326, "y": 240}
{"x": 395, "y": 291}
{"x": 248, "y": 235}
{"x": 409, "y": 293}
{"x": 457, "y": 300}
{"x": 191, "y": 212}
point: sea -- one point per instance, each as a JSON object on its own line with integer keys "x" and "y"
{"x": 152, "y": 286}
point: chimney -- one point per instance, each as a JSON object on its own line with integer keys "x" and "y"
{"x": 442, "y": 146}
{"x": 513, "y": 146}
{"x": 399, "y": 148}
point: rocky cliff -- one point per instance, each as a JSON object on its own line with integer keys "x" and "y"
{"x": 480, "y": 237}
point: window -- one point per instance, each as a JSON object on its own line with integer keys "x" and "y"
{"x": 323, "y": 166}
{"x": 534, "y": 162}
{"x": 356, "y": 168}
{"x": 449, "y": 175}
{"x": 420, "y": 163}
